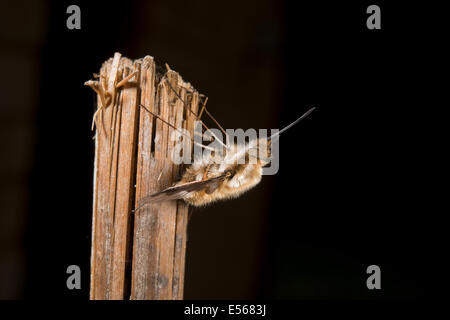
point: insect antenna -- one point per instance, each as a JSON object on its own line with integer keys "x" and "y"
{"x": 197, "y": 117}
{"x": 173, "y": 127}
{"x": 275, "y": 135}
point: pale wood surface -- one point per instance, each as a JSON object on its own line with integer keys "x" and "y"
{"x": 140, "y": 256}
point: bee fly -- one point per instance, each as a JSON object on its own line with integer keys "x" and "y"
{"x": 211, "y": 177}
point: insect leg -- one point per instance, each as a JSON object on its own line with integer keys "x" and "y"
{"x": 203, "y": 108}
{"x": 205, "y": 173}
{"x": 196, "y": 115}
{"x": 177, "y": 129}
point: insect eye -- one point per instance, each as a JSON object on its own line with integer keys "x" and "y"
{"x": 230, "y": 174}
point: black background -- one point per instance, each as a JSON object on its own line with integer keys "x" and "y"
{"x": 354, "y": 187}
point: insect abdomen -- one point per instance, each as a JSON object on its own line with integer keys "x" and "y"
{"x": 241, "y": 182}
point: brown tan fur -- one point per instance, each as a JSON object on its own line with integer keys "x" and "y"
{"x": 211, "y": 178}
{"x": 241, "y": 176}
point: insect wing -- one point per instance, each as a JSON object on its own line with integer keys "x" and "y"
{"x": 182, "y": 190}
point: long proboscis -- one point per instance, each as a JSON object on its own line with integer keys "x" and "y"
{"x": 275, "y": 135}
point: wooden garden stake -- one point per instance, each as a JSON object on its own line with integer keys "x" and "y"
{"x": 142, "y": 255}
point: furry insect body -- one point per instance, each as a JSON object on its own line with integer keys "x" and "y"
{"x": 239, "y": 176}
{"x": 213, "y": 177}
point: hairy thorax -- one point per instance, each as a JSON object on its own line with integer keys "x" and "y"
{"x": 243, "y": 173}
